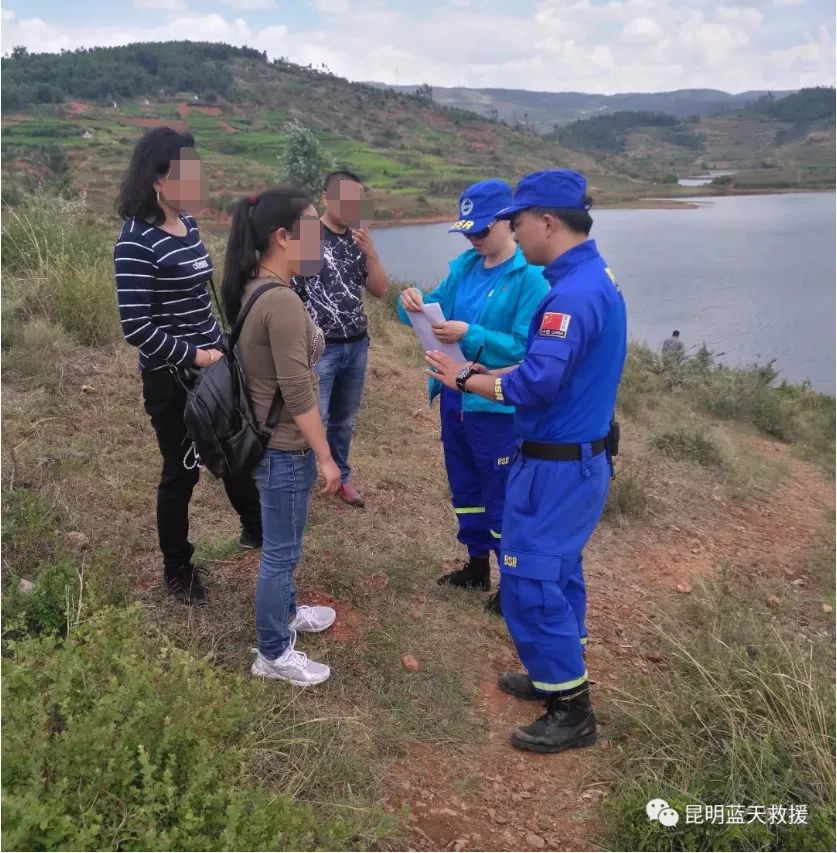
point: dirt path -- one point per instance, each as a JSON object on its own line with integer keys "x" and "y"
{"x": 529, "y": 802}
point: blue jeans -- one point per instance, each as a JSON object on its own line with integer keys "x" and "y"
{"x": 285, "y": 479}
{"x": 342, "y": 372}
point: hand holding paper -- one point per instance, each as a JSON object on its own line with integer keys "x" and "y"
{"x": 423, "y": 322}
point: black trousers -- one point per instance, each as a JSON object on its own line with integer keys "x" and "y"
{"x": 165, "y": 400}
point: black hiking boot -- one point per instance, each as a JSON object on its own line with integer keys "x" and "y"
{"x": 475, "y": 574}
{"x": 568, "y": 723}
{"x": 184, "y": 583}
{"x": 493, "y": 604}
{"x": 519, "y": 685}
{"x": 249, "y": 540}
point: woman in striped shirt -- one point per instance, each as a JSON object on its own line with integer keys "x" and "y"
{"x": 162, "y": 270}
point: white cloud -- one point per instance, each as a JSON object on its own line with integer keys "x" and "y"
{"x": 744, "y": 17}
{"x": 331, "y": 7}
{"x": 804, "y": 59}
{"x": 161, "y": 5}
{"x": 250, "y": 5}
{"x": 782, "y": 3}
{"x": 565, "y": 45}
{"x": 641, "y": 31}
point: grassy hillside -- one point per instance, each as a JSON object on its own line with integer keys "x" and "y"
{"x": 131, "y": 722}
{"x": 416, "y": 155}
{"x": 776, "y": 143}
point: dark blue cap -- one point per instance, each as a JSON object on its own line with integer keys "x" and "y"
{"x": 478, "y": 205}
{"x": 559, "y": 188}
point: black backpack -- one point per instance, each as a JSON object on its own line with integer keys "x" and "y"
{"x": 226, "y": 437}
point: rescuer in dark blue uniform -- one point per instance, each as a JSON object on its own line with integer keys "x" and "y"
{"x": 564, "y": 393}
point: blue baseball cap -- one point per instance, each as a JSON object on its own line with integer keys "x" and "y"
{"x": 559, "y": 188}
{"x": 478, "y": 206}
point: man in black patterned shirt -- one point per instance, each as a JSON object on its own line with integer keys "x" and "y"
{"x": 335, "y": 301}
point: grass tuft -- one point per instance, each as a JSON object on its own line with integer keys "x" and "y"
{"x": 689, "y": 443}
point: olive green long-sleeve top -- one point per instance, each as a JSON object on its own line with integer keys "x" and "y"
{"x": 279, "y": 345}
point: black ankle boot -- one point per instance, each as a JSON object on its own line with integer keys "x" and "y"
{"x": 250, "y": 540}
{"x": 184, "y": 583}
{"x": 475, "y": 574}
{"x": 568, "y": 723}
{"x": 519, "y": 685}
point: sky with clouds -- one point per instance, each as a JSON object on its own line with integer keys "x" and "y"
{"x": 601, "y": 46}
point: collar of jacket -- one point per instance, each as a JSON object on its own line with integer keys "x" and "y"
{"x": 470, "y": 257}
{"x": 572, "y": 257}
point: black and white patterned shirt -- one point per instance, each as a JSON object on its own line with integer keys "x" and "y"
{"x": 334, "y": 298}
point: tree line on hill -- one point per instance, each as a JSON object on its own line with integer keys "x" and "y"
{"x": 608, "y": 133}
{"x": 110, "y": 73}
{"x": 804, "y": 106}
{"x": 150, "y": 69}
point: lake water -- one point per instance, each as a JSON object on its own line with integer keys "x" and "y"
{"x": 752, "y": 277}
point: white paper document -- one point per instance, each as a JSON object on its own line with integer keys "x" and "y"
{"x": 423, "y": 322}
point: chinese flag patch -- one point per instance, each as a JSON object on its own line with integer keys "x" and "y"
{"x": 555, "y": 325}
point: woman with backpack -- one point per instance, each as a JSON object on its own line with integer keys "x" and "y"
{"x": 275, "y": 236}
{"x": 162, "y": 270}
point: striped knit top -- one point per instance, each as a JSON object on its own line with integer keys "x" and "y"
{"x": 164, "y": 304}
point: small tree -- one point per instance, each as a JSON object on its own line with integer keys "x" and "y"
{"x": 302, "y": 161}
{"x": 424, "y": 92}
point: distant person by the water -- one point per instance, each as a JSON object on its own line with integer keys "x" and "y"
{"x": 274, "y": 236}
{"x": 673, "y": 346}
{"x": 335, "y": 301}
{"x": 162, "y": 270}
{"x": 488, "y": 299}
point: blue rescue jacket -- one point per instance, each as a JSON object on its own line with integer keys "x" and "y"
{"x": 503, "y": 326}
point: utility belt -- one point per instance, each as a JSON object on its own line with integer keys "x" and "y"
{"x": 572, "y": 452}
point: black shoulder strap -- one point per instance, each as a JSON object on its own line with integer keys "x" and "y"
{"x": 239, "y": 323}
{"x": 218, "y": 308}
{"x": 277, "y": 402}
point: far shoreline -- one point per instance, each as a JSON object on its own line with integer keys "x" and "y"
{"x": 692, "y": 201}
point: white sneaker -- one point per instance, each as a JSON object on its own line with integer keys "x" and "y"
{"x": 312, "y": 620}
{"x": 291, "y": 666}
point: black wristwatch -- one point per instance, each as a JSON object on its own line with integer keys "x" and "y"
{"x": 462, "y": 377}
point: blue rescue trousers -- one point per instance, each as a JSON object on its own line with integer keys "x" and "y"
{"x": 552, "y": 509}
{"x": 478, "y": 448}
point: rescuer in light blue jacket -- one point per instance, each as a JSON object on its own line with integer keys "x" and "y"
{"x": 488, "y": 299}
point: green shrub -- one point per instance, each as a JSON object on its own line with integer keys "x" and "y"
{"x": 744, "y": 715}
{"x": 688, "y": 442}
{"x": 35, "y": 550}
{"x": 57, "y": 267}
{"x": 112, "y": 739}
{"x": 33, "y": 349}
{"x": 30, "y": 532}
{"x": 49, "y": 607}
{"x": 628, "y": 497}
{"x": 793, "y": 413}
